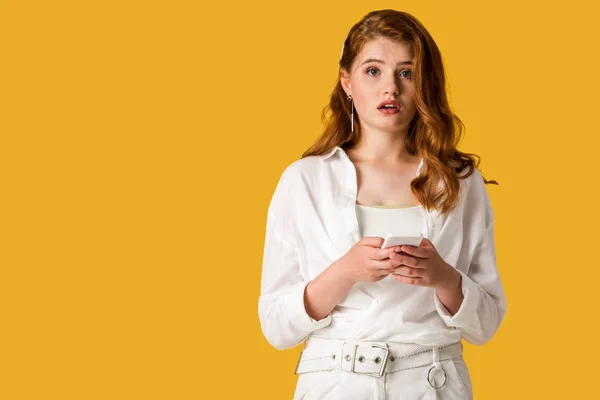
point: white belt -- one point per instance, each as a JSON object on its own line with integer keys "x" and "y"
{"x": 373, "y": 358}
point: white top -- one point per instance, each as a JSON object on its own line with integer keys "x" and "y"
{"x": 400, "y": 221}
{"x": 381, "y": 220}
{"x": 312, "y": 221}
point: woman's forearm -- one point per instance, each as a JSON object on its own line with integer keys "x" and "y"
{"x": 326, "y": 291}
{"x": 450, "y": 294}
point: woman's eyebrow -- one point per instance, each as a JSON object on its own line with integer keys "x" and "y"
{"x": 381, "y": 62}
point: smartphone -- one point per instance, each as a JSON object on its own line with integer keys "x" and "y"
{"x": 391, "y": 240}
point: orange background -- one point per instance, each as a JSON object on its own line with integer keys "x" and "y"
{"x": 141, "y": 144}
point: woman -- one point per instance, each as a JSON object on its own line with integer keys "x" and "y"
{"x": 382, "y": 323}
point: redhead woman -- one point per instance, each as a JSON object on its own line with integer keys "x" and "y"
{"x": 381, "y": 321}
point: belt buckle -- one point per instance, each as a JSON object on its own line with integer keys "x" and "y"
{"x": 381, "y": 370}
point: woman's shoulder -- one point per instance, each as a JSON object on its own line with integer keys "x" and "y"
{"x": 475, "y": 195}
{"x": 303, "y": 168}
{"x": 297, "y": 178}
{"x": 469, "y": 175}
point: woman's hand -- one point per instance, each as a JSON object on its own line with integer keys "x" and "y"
{"x": 366, "y": 261}
{"x": 423, "y": 266}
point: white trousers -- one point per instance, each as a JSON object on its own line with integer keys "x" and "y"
{"x": 452, "y": 383}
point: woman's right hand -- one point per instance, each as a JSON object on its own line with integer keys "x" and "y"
{"x": 366, "y": 261}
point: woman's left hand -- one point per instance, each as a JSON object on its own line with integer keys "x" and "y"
{"x": 423, "y": 266}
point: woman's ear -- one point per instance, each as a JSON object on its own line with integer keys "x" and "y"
{"x": 345, "y": 82}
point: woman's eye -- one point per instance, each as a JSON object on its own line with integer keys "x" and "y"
{"x": 406, "y": 73}
{"x": 371, "y": 69}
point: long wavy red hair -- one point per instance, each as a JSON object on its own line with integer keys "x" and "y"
{"x": 435, "y": 131}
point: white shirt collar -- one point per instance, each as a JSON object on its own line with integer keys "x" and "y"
{"x": 332, "y": 152}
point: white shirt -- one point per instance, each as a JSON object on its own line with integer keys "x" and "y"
{"x": 312, "y": 221}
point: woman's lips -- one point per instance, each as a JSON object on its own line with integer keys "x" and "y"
{"x": 389, "y": 111}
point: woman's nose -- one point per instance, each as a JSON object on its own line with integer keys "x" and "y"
{"x": 392, "y": 87}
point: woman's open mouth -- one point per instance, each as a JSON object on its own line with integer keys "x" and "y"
{"x": 389, "y": 109}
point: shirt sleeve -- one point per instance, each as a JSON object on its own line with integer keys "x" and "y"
{"x": 283, "y": 317}
{"x": 484, "y": 304}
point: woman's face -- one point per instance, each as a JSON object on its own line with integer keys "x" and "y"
{"x": 382, "y": 71}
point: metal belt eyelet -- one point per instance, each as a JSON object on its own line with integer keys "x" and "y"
{"x": 385, "y": 359}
